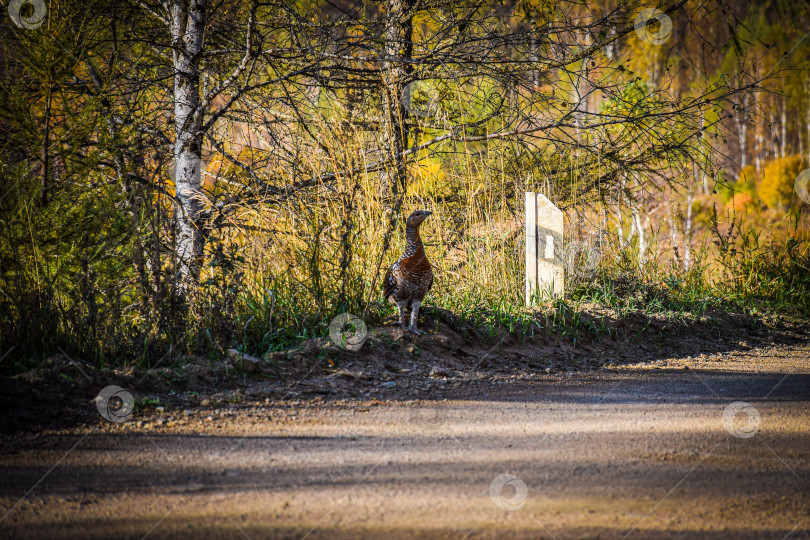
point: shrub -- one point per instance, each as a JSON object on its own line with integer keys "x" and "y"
{"x": 776, "y": 187}
{"x": 739, "y": 202}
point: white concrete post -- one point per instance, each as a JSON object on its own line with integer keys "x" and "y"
{"x": 531, "y": 246}
{"x": 544, "y": 249}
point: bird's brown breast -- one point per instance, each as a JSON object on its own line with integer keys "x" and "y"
{"x": 414, "y": 277}
{"x": 411, "y": 276}
{"x": 416, "y": 263}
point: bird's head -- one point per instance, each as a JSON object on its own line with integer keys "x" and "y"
{"x": 418, "y": 217}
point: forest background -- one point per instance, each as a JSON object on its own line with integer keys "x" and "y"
{"x": 186, "y": 176}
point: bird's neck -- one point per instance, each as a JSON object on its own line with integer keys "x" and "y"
{"x": 413, "y": 241}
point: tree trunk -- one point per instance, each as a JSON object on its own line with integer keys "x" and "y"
{"x": 759, "y": 147}
{"x": 618, "y": 215}
{"x": 46, "y": 143}
{"x": 188, "y": 24}
{"x": 673, "y": 230}
{"x": 773, "y": 129}
{"x": 783, "y": 149}
{"x": 741, "y": 119}
{"x": 642, "y": 243}
{"x": 807, "y": 113}
{"x": 687, "y": 232}
{"x": 396, "y": 69}
{"x": 700, "y": 173}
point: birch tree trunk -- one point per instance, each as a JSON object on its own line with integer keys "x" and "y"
{"x": 187, "y": 25}
{"x": 673, "y": 230}
{"x": 774, "y": 129}
{"x": 617, "y": 212}
{"x": 783, "y": 149}
{"x": 759, "y": 147}
{"x": 534, "y": 58}
{"x": 642, "y": 243}
{"x": 687, "y": 232}
{"x": 741, "y": 120}
{"x": 759, "y": 134}
{"x": 700, "y": 172}
{"x": 807, "y": 113}
{"x": 632, "y": 231}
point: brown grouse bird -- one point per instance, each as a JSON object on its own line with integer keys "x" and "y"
{"x": 409, "y": 279}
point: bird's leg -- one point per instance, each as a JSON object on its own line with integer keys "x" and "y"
{"x": 402, "y": 305}
{"x": 414, "y": 316}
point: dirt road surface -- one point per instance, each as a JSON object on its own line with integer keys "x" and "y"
{"x": 715, "y": 447}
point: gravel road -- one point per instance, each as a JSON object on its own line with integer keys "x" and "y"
{"x": 710, "y": 447}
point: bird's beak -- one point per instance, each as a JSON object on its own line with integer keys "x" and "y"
{"x": 428, "y": 212}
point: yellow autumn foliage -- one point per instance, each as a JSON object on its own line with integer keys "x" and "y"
{"x": 739, "y": 202}
{"x": 776, "y": 186}
{"x": 748, "y": 179}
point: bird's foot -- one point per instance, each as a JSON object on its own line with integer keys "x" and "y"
{"x": 414, "y": 330}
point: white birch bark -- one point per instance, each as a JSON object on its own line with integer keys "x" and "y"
{"x": 807, "y": 113}
{"x": 687, "y": 232}
{"x": 759, "y": 147}
{"x": 673, "y": 228}
{"x": 187, "y": 26}
{"x": 617, "y": 216}
{"x": 741, "y": 120}
{"x": 773, "y": 128}
{"x": 784, "y": 128}
{"x": 642, "y": 245}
